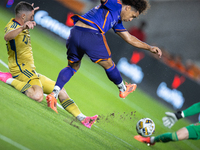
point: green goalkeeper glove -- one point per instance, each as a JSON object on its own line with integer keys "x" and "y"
{"x": 171, "y": 118}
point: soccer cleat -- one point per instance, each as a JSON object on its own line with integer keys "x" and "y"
{"x": 4, "y": 76}
{"x": 129, "y": 89}
{"x": 52, "y": 102}
{"x": 89, "y": 121}
{"x": 146, "y": 140}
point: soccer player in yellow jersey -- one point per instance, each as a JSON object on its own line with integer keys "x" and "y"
{"x": 22, "y": 74}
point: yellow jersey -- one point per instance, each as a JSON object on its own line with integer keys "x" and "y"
{"x": 19, "y": 49}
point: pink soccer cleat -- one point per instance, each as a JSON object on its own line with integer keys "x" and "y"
{"x": 4, "y": 76}
{"x": 89, "y": 121}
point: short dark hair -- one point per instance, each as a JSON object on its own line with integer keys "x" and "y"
{"x": 139, "y": 5}
{"x": 23, "y": 6}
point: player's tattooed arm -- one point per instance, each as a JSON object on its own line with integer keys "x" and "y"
{"x": 13, "y": 33}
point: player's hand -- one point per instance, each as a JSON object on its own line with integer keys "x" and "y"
{"x": 169, "y": 120}
{"x": 36, "y": 8}
{"x": 29, "y": 25}
{"x": 156, "y": 50}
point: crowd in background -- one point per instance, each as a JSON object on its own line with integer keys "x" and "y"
{"x": 189, "y": 68}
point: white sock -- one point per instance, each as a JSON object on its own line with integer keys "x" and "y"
{"x": 121, "y": 87}
{"x": 152, "y": 139}
{"x": 56, "y": 91}
{"x": 9, "y": 81}
{"x": 80, "y": 117}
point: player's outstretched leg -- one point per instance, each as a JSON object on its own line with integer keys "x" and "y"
{"x": 89, "y": 121}
{"x": 146, "y": 140}
{"x": 129, "y": 89}
{"x": 4, "y": 76}
{"x": 52, "y": 102}
{"x": 115, "y": 76}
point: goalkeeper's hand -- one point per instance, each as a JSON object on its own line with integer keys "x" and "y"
{"x": 171, "y": 118}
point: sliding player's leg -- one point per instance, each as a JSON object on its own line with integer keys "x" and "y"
{"x": 190, "y": 132}
{"x": 166, "y": 137}
{"x": 35, "y": 92}
{"x": 29, "y": 86}
{"x": 193, "y": 131}
{"x": 182, "y": 134}
{"x": 114, "y": 75}
{"x": 68, "y": 104}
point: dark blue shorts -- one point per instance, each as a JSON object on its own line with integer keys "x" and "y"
{"x": 87, "y": 41}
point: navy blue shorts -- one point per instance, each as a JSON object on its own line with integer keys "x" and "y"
{"x": 87, "y": 41}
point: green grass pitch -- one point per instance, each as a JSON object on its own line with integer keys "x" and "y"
{"x": 35, "y": 126}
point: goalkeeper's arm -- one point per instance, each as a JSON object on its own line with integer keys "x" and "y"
{"x": 192, "y": 110}
{"x": 171, "y": 118}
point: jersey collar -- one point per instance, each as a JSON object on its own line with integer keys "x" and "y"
{"x": 16, "y": 22}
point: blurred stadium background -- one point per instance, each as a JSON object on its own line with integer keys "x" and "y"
{"x": 172, "y": 25}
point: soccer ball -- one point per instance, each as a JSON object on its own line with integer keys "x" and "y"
{"x": 145, "y": 127}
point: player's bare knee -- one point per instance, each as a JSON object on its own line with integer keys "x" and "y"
{"x": 38, "y": 97}
{"x": 35, "y": 94}
{"x": 75, "y": 65}
{"x": 182, "y": 134}
{"x": 35, "y": 97}
{"x": 106, "y": 64}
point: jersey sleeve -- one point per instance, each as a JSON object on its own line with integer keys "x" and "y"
{"x": 112, "y": 4}
{"x": 119, "y": 27}
{"x": 11, "y": 27}
{"x": 192, "y": 110}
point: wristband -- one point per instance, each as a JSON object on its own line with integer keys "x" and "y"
{"x": 178, "y": 115}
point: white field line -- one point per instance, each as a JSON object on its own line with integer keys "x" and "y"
{"x": 24, "y": 148}
{"x": 4, "y": 138}
{"x": 3, "y": 63}
{"x": 13, "y": 142}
